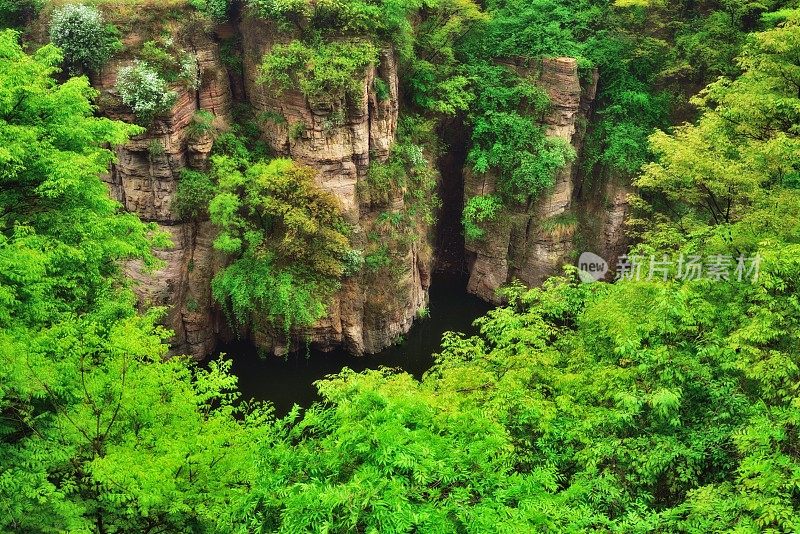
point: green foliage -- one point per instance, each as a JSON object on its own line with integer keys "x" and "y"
{"x": 243, "y": 141}
{"x": 479, "y": 209}
{"x": 352, "y": 262}
{"x": 144, "y": 91}
{"x": 377, "y": 259}
{"x": 155, "y": 149}
{"x": 527, "y": 160}
{"x": 439, "y": 77}
{"x": 274, "y": 117}
{"x": 231, "y": 56}
{"x": 324, "y": 73}
{"x": 385, "y": 20}
{"x": 332, "y": 121}
{"x": 287, "y": 238}
{"x": 171, "y": 62}
{"x": 85, "y": 39}
{"x": 296, "y": 131}
{"x": 194, "y": 193}
{"x": 61, "y": 234}
{"x": 381, "y": 89}
{"x": 97, "y": 433}
{"x": 401, "y": 463}
{"x": 639, "y": 406}
{"x": 202, "y": 125}
{"x": 738, "y": 155}
{"x": 408, "y": 173}
{"x": 559, "y": 224}
{"x": 15, "y": 13}
{"x": 216, "y": 10}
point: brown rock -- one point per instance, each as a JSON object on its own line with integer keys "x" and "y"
{"x": 520, "y": 244}
{"x": 339, "y": 141}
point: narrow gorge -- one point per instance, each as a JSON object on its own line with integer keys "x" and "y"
{"x": 339, "y": 141}
{"x": 399, "y": 266}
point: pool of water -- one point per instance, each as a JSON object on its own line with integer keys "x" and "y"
{"x": 290, "y": 380}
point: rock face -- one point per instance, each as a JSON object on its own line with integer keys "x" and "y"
{"x": 145, "y": 178}
{"x": 605, "y": 208}
{"x": 531, "y": 242}
{"x": 340, "y": 140}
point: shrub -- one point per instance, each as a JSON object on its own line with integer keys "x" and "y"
{"x": 83, "y": 36}
{"x": 516, "y": 147}
{"x": 273, "y": 117}
{"x": 377, "y": 259}
{"x": 334, "y": 120}
{"x": 195, "y": 191}
{"x": 202, "y": 124}
{"x": 155, "y": 149}
{"x": 477, "y": 210}
{"x": 383, "y": 179}
{"x": 285, "y": 12}
{"x": 171, "y": 62}
{"x": 381, "y": 89}
{"x": 326, "y": 73}
{"x": 230, "y": 54}
{"x": 144, "y": 91}
{"x": 17, "y": 12}
{"x": 287, "y": 238}
{"x": 353, "y": 262}
{"x": 214, "y": 9}
{"x": 296, "y": 130}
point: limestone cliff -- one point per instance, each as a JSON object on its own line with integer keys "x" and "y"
{"x": 363, "y": 318}
{"x": 531, "y": 242}
{"x": 144, "y": 179}
{"x": 340, "y": 141}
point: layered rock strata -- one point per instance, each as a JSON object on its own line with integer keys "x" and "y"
{"x": 144, "y": 180}
{"x": 339, "y": 140}
{"x": 530, "y": 242}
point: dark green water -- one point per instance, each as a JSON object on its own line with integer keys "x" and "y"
{"x": 290, "y": 380}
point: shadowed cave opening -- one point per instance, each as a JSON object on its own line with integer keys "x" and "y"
{"x": 449, "y": 251}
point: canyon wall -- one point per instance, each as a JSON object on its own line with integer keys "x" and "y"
{"x": 365, "y": 315}
{"x": 144, "y": 180}
{"x": 340, "y": 140}
{"x": 531, "y": 242}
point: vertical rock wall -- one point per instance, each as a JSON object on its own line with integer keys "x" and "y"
{"x": 519, "y": 243}
{"x": 144, "y": 180}
{"x": 340, "y": 141}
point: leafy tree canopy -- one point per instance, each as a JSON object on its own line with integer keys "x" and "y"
{"x": 288, "y": 238}
{"x": 97, "y": 433}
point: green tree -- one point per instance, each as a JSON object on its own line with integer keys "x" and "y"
{"x": 97, "y": 433}
{"x": 287, "y": 237}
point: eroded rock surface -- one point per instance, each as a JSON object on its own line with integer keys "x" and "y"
{"x": 145, "y": 178}
{"x": 339, "y": 140}
{"x": 531, "y": 242}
